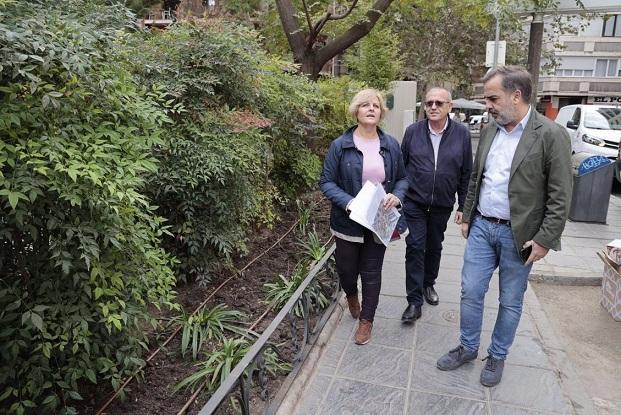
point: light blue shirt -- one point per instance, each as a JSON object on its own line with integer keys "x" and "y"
{"x": 435, "y": 139}
{"x": 494, "y": 195}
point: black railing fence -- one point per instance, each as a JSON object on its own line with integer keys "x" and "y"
{"x": 249, "y": 381}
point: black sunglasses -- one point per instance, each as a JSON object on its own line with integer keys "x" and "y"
{"x": 438, "y": 104}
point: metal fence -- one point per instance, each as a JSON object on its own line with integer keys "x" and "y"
{"x": 251, "y": 374}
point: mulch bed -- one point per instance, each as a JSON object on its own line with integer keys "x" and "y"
{"x": 153, "y": 392}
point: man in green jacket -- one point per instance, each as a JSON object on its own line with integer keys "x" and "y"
{"x": 515, "y": 211}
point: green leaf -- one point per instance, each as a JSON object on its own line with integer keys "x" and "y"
{"x": 14, "y": 198}
{"x": 37, "y": 321}
{"x": 90, "y": 374}
{"x": 75, "y": 395}
{"x": 7, "y": 392}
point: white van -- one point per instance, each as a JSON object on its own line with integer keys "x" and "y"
{"x": 594, "y": 129}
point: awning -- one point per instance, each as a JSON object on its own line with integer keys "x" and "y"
{"x": 466, "y": 104}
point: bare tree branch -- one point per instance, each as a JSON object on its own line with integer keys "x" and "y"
{"x": 308, "y": 19}
{"x": 355, "y": 33}
{"x": 330, "y": 16}
{"x": 344, "y": 15}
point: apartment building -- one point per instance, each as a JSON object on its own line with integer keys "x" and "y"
{"x": 590, "y": 64}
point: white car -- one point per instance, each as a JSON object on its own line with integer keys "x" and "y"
{"x": 477, "y": 119}
{"x": 594, "y": 129}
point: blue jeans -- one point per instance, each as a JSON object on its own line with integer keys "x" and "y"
{"x": 490, "y": 246}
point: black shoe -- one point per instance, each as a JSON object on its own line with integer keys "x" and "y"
{"x": 431, "y": 296}
{"x": 411, "y": 313}
{"x": 492, "y": 372}
{"x": 455, "y": 358}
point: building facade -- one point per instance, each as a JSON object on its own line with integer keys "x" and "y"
{"x": 589, "y": 70}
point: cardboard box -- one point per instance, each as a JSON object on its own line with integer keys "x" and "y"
{"x": 611, "y": 288}
{"x": 613, "y": 251}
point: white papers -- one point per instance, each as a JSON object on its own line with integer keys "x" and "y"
{"x": 367, "y": 210}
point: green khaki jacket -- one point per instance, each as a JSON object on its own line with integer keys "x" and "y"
{"x": 540, "y": 181}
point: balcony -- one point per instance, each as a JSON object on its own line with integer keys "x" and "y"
{"x": 579, "y": 86}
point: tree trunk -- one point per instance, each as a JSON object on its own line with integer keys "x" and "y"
{"x": 302, "y": 41}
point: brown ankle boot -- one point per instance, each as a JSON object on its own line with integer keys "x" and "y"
{"x": 354, "y": 306}
{"x": 363, "y": 334}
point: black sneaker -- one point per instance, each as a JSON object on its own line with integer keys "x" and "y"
{"x": 455, "y": 358}
{"x": 492, "y": 372}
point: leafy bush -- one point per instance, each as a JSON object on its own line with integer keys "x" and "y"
{"x": 239, "y": 143}
{"x": 336, "y": 95}
{"x": 79, "y": 243}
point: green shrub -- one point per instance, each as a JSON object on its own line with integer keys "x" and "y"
{"x": 79, "y": 243}
{"x": 376, "y": 60}
{"x": 239, "y": 143}
{"x": 336, "y": 95}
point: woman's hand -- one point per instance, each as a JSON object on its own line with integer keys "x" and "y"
{"x": 391, "y": 201}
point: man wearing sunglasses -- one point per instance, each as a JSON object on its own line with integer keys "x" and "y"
{"x": 437, "y": 153}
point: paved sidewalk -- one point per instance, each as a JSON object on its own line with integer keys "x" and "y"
{"x": 396, "y": 373}
{"x": 577, "y": 262}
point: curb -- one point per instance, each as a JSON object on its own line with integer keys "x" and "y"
{"x": 565, "y": 370}
{"x": 296, "y": 390}
{"x": 566, "y": 279}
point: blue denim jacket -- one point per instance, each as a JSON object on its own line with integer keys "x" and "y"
{"x": 341, "y": 178}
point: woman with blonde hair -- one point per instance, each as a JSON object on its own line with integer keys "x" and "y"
{"x": 364, "y": 152}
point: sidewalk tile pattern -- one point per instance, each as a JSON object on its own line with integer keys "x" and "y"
{"x": 396, "y": 372}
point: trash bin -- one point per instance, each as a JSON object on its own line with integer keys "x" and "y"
{"x": 592, "y": 186}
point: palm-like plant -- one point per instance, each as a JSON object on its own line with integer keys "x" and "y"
{"x": 220, "y": 363}
{"x": 304, "y": 215}
{"x": 218, "y": 366}
{"x": 312, "y": 248}
{"x": 281, "y": 290}
{"x": 208, "y": 324}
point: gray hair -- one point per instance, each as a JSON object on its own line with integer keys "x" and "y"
{"x": 513, "y": 78}
{"x": 439, "y": 88}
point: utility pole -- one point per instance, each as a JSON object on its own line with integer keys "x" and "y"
{"x": 493, "y": 8}
{"x": 534, "y": 53}
{"x": 497, "y": 39}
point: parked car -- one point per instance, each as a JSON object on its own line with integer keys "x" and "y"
{"x": 593, "y": 129}
{"x": 478, "y": 119}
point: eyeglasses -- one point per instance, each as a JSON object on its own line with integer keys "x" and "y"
{"x": 438, "y": 104}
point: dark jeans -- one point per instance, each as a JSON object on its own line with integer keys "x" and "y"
{"x": 364, "y": 259}
{"x": 424, "y": 248}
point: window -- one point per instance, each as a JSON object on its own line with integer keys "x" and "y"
{"x": 576, "y": 117}
{"x": 588, "y": 73}
{"x": 612, "y": 26}
{"x": 606, "y": 67}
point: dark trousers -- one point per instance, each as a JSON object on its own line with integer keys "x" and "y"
{"x": 424, "y": 248}
{"x": 364, "y": 259}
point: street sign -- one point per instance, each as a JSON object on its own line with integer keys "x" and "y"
{"x": 489, "y": 53}
{"x": 604, "y": 100}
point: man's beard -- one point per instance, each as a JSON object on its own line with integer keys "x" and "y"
{"x": 504, "y": 117}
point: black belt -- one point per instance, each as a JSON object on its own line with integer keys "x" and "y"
{"x": 497, "y": 220}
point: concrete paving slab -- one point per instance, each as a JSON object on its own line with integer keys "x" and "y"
{"x": 349, "y": 397}
{"x": 380, "y": 365}
{"x": 431, "y": 403}
{"x": 396, "y": 372}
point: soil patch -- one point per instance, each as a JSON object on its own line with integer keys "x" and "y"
{"x": 153, "y": 393}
